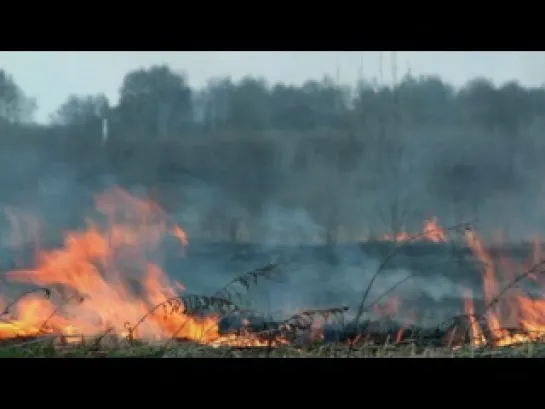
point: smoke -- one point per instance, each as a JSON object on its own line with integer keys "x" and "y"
{"x": 317, "y": 276}
{"x": 235, "y": 224}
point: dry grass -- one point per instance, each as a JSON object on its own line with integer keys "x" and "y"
{"x": 232, "y": 299}
{"x": 47, "y": 349}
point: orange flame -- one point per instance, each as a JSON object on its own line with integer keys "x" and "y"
{"x": 101, "y": 266}
{"x": 432, "y": 231}
{"x": 108, "y": 282}
{"x": 513, "y": 311}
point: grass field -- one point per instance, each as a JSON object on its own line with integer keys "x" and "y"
{"x": 88, "y": 276}
{"x": 45, "y": 348}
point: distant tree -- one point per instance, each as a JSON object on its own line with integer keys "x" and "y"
{"x": 290, "y": 109}
{"x": 512, "y": 108}
{"x": 156, "y": 101}
{"x": 80, "y": 110}
{"x": 314, "y": 104}
{"x": 476, "y": 100}
{"x": 327, "y": 102}
{"x": 215, "y": 100}
{"x": 237, "y": 106}
{"x": 426, "y": 99}
{"x": 15, "y": 106}
{"x": 249, "y": 104}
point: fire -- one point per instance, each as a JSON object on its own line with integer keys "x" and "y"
{"x": 389, "y": 309}
{"x": 512, "y": 316}
{"x": 108, "y": 282}
{"x": 432, "y": 231}
{"x": 106, "y": 279}
{"x": 477, "y": 337}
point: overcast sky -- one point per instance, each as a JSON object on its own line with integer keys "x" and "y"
{"x": 52, "y": 76}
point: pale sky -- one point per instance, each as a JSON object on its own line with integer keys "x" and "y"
{"x": 51, "y": 76}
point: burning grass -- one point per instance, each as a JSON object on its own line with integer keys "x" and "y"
{"x": 50, "y": 349}
{"x": 102, "y": 294}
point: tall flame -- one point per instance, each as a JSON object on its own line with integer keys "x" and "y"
{"x": 108, "y": 281}
{"x": 105, "y": 279}
{"x": 512, "y": 316}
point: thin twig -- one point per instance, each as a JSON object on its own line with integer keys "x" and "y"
{"x": 388, "y": 258}
{"x": 46, "y": 291}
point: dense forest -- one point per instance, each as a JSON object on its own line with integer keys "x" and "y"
{"x": 323, "y": 159}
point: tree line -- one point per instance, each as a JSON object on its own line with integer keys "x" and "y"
{"x": 159, "y": 101}
{"x": 418, "y": 145}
